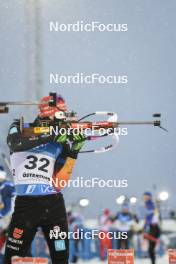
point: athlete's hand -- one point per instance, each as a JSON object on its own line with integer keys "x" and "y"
{"x": 62, "y": 139}
{"x": 77, "y": 142}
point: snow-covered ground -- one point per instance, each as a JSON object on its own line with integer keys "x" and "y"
{"x": 163, "y": 260}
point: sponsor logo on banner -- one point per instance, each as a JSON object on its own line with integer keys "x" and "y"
{"x": 125, "y": 256}
{"x": 17, "y": 233}
{"x": 18, "y": 260}
{"x": 172, "y": 256}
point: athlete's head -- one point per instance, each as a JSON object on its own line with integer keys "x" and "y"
{"x": 45, "y": 110}
{"x": 147, "y": 196}
{"x": 106, "y": 211}
{"x": 3, "y": 174}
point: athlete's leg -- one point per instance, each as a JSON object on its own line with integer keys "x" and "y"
{"x": 59, "y": 248}
{"x": 154, "y": 232}
{"x": 152, "y": 251}
{"x": 20, "y": 236}
{"x": 22, "y": 229}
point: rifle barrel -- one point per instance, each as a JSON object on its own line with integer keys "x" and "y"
{"x": 137, "y": 122}
{"x": 18, "y": 103}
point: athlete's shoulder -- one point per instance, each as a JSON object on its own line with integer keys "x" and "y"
{"x": 50, "y": 149}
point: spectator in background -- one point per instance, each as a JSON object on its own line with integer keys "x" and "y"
{"x": 7, "y": 192}
{"x": 75, "y": 222}
{"x": 151, "y": 228}
{"x": 125, "y": 221}
{"x": 105, "y": 222}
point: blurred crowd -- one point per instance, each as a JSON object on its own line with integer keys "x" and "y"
{"x": 143, "y": 233}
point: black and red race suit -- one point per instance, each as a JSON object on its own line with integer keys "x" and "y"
{"x": 38, "y": 204}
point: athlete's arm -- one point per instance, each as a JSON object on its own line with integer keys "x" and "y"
{"x": 17, "y": 142}
{"x": 62, "y": 177}
{"x": 64, "y": 167}
{"x": 66, "y": 161}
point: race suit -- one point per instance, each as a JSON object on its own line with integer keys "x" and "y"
{"x": 35, "y": 161}
{"x": 152, "y": 228}
{"x": 126, "y": 220}
{"x": 106, "y": 242}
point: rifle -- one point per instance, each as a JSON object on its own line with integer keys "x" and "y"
{"x": 69, "y": 121}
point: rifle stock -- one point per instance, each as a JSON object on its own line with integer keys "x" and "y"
{"x": 80, "y": 126}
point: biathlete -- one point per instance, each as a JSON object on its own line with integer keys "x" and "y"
{"x": 126, "y": 221}
{"x": 35, "y": 161}
{"x": 152, "y": 230}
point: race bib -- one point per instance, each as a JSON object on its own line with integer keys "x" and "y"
{"x": 29, "y": 167}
